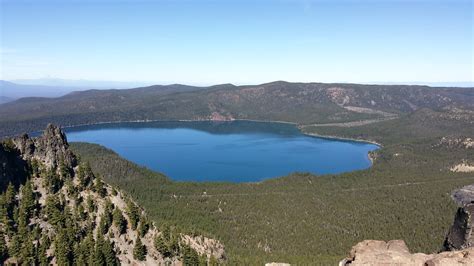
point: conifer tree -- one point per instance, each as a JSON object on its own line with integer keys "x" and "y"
{"x": 109, "y": 253}
{"x": 99, "y": 258}
{"x": 10, "y": 198}
{"x": 9, "y": 225}
{"x": 27, "y": 253}
{"x": 27, "y": 206}
{"x": 100, "y": 188}
{"x": 166, "y": 232}
{"x": 190, "y": 256}
{"x": 43, "y": 247}
{"x": 52, "y": 181}
{"x": 64, "y": 172}
{"x": 71, "y": 189}
{"x": 9, "y": 209}
{"x": 35, "y": 167}
{"x": 143, "y": 227}
{"x": 22, "y": 225}
{"x": 90, "y": 204}
{"x": 133, "y": 214}
{"x": 119, "y": 221}
{"x": 161, "y": 247}
{"x": 139, "y": 250}
{"x": 79, "y": 258}
{"x": 15, "y": 246}
{"x": 173, "y": 245}
{"x": 62, "y": 248}
{"x": 27, "y": 203}
{"x": 54, "y": 211}
{"x": 108, "y": 211}
{"x": 3, "y": 207}
{"x": 92, "y": 255}
{"x": 85, "y": 175}
{"x": 103, "y": 225}
{"x": 36, "y": 232}
{"x": 89, "y": 246}
{"x": 3, "y": 248}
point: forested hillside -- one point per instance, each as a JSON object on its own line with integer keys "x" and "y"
{"x": 56, "y": 210}
{"x": 302, "y": 103}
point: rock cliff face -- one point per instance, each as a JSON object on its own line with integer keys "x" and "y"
{"x": 54, "y": 210}
{"x": 460, "y": 235}
{"x": 50, "y": 149}
{"x": 457, "y": 249}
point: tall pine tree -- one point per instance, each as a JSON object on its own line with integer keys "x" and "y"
{"x": 42, "y": 249}
{"x": 109, "y": 253}
{"x": 63, "y": 248}
{"x": 119, "y": 221}
{"x": 3, "y": 248}
{"x": 139, "y": 250}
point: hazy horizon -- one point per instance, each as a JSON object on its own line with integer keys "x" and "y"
{"x": 102, "y": 84}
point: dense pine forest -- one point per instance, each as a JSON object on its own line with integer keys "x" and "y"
{"x": 405, "y": 195}
{"x": 55, "y": 210}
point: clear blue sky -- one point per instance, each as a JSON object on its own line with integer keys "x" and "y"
{"x": 206, "y": 42}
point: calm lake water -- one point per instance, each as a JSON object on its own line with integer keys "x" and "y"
{"x": 238, "y": 151}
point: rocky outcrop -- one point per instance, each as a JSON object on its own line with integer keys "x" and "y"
{"x": 464, "y": 195}
{"x": 460, "y": 235}
{"x": 452, "y": 142}
{"x": 395, "y": 252}
{"x": 51, "y": 149}
{"x": 207, "y": 246}
{"x": 463, "y": 167}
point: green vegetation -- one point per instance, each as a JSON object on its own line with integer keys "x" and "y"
{"x": 190, "y": 256}
{"x": 29, "y": 243}
{"x": 62, "y": 213}
{"x": 48, "y": 204}
{"x": 303, "y": 218}
{"x": 300, "y": 218}
{"x": 303, "y": 103}
{"x": 139, "y": 250}
{"x": 119, "y": 221}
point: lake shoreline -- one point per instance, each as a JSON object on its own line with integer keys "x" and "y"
{"x": 341, "y": 138}
{"x": 315, "y": 135}
{"x": 285, "y": 149}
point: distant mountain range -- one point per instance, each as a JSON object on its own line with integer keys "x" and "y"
{"x": 10, "y": 91}
{"x": 82, "y": 83}
{"x": 52, "y": 88}
{"x": 302, "y": 103}
{"x": 4, "y": 99}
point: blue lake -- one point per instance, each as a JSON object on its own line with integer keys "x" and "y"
{"x": 238, "y": 151}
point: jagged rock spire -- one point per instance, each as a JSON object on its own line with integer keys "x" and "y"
{"x": 51, "y": 148}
